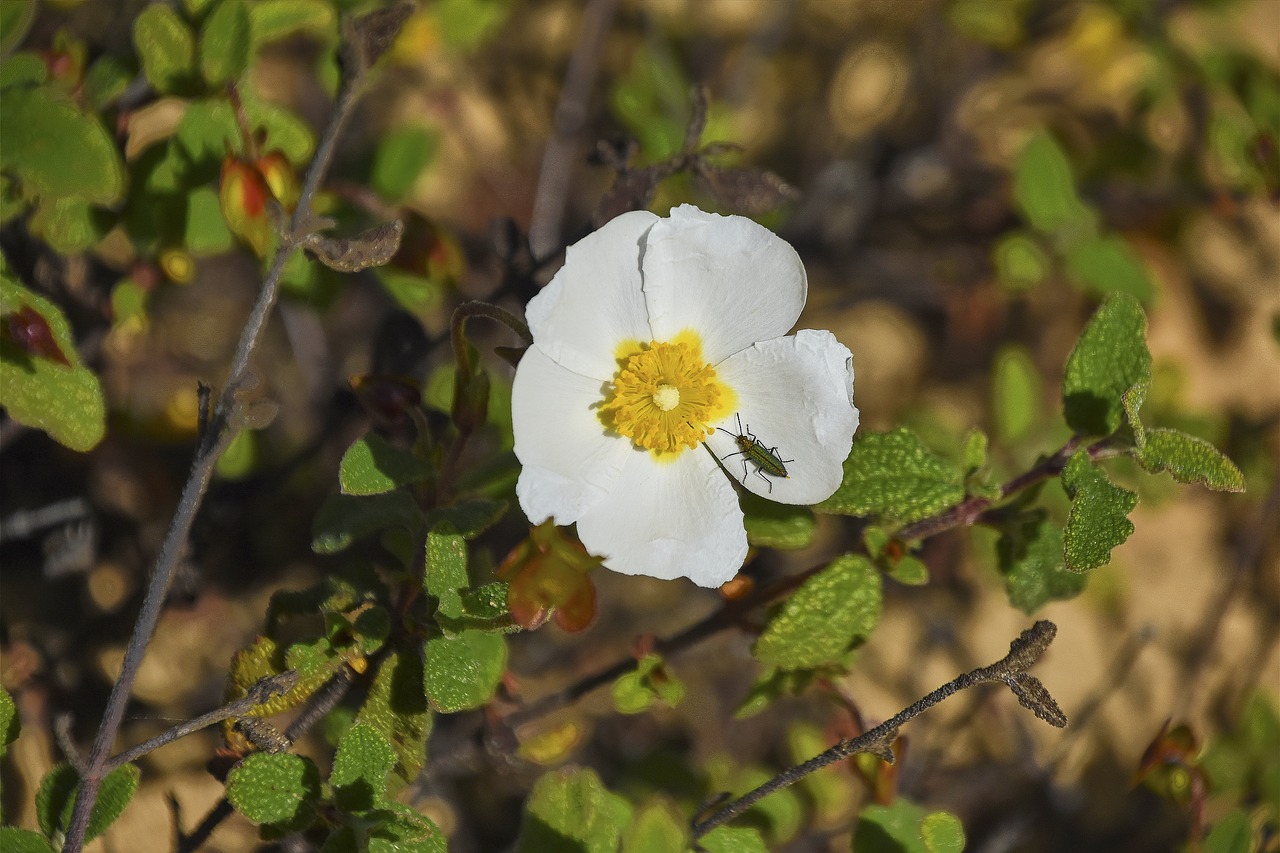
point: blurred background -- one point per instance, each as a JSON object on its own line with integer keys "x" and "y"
{"x": 964, "y": 180}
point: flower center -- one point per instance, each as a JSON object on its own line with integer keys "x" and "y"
{"x": 663, "y": 396}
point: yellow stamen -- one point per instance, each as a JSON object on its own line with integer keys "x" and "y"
{"x": 664, "y": 395}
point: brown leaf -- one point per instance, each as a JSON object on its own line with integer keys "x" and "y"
{"x": 371, "y": 248}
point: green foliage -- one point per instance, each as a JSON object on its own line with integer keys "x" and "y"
{"x": 892, "y": 474}
{"x": 649, "y": 682}
{"x": 775, "y": 525}
{"x": 733, "y": 839}
{"x": 224, "y": 43}
{"x": 1016, "y": 393}
{"x": 360, "y": 768}
{"x": 779, "y": 816}
{"x": 904, "y": 827}
{"x": 834, "y": 611}
{"x": 1189, "y": 460}
{"x": 343, "y": 519}
{"x": 1102, "y": 265}
{"x": 1099, "y": 519}
{"x": 399, "y": 160}
{"x": 396, "y": 707}
{"x": 1031, "y": 557}
{"x": 571, "y": 810}
{"x": 1044, "y": 188}
{"x": 272, "y": 20}
{"x": 462, "y": 671}
{"x": 10, "y": 722}
{"x": 60, "y": 396}
{"x": 1109, "y": 359}
{"x": 656, "y": 827}
{"x": 56, "y": 798}
{"x": 14, "y": 840}
{"x": 15, "y": 20}
{"x": 56, "y": 151}
{"x": 281, "y": 789}
{"x": 166, "y": 48}
{"x": 371, "y": 466}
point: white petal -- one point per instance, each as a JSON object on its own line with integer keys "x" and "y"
{"x": 679, "y": 519}
{"x": 595, "y": 300}
{"x": 729, "y": 279}
{"x": 795, "y": 394}
{"x": 568, "y": 461}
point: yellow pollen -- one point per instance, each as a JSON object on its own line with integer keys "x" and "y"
{"x": 663, "y": 396}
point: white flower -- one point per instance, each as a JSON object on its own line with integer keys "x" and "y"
{"x": 652, "y": 340}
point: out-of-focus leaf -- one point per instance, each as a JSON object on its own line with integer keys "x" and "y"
{"x": 15, "y": 20}
{"x": 1109, "y": 359}
{"x": 733, "y": 839}
{"x": 105, "y": 81}
{"x": 225, "y": 43}
{"x": 23, "y": 69}
{"x": 1031, "y": 559}
{"x": 1099, "y": 514}
{"x": 271, "y": 20}
{"x": 56, "y": 150}
{"x": 650, "y": 681}
{"x": 343, "y": 519}
{"x": 1044, "y": 189}
{"x": 775, "y": 525}
{"x": 571, "y": 809}
{"x": 892, "y": 474}
{"x": 400, "y": 158}
{"x": 68, "y": 225}
{"x": 656, "y": 827}
{"x": 397, "y": 707}
{"x": 904, "y": 827}
{"x": 832, "y": 612}
{"x": 1103, "y": 265}
{"x": 166, "y": 48}
{"x": 14, "y": 840}
{"x": 1017, "y": 392}
{"x": 1019, "y": 261}
{"x": 56, "y": 798}
{"x": 372, "y": 466}
{"x": 466, "y": 23}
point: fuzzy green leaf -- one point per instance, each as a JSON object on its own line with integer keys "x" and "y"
{"x": 64, "y": 400}
{"x": 470, "y": 518}
{"x": 10, "y": 724}
{"x": 1109, "y": 359}
{"x": 656, "y": 827}
{"x": 570, "y": 809}
{"x": 400, "y": 829}
{"x": 22, "y": 70}
{"x": 1031, "y": 558}
{"x": 910, "y": 571}
{"x": 14, "y": 840}
{"x": 275, "y": 788}
{"x": 58, "y": 151}
{"x": 733, "y": 839}
{"x": 462, "y": 671}
{"x": 1189, "y": 459}
{"x": 360, "y": 768}
{"x": 105, "y": 81}
{"x": 69, "y": 225}
{"x": 342, "y": 519}
{"x": 892, "y": 474}
{"x": 446, "y": 573}
{"x": 834, "y": 611}
{"x": 396, "y": 707}
{"x": 1098, "y": 520}
{"x": 166, "y": 48}
{"x": 1044, "y": 189}
{"x": 1102, "y": 265}
{"x": 224, "y": 43}
{"x": 371, "y": 466}
{"x": 650, "y": 681}
{"x": 56, "y": 798}
{"x": 775, "y": 525}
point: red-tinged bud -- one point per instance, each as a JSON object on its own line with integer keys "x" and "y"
{"x": 280, "y": 178}
{"x": 548, "y": 574}
{"x": 243, "y": 194}
{"x": 30, "y": 331}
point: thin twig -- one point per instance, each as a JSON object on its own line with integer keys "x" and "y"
{"x": 1011, "y": 670}
{"x": 216, "y": 439}
{"x": 569, "y": 120}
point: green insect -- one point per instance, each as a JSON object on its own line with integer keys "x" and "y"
{"x": 766, "y": 459}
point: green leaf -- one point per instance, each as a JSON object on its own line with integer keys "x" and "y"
{"x": 772, "y": 684}
{"x": 656, "y": 827}
{"x": 1020, "y": 262}
{"x": 1132, "y": 401}
{"x": 10, "y": 723}
{"x": 775, "y": 525}
{"x": 570, "y": 809}
{"x": 892, "y": 474}
{"x": 286, "y": 132}
{"x": 470, "y": 518}
{"x": 1233, "y": 833}
{"x": 166, "y": 48}
{"x": 56, "y": 798}
{"x": 1099, "y": 519}
{"x": 56, "y": 150}
{"x": 224, "y": 43}
{"x": 1103, "y": 265}
{"x": 446, "y": 571}
{"x": 400, "y": 829}
{"x": 1031, "y": 558}
{"x": 832, "y": 612}
{"x": 461, "y": 672}
{"x": 1044, "y": 189}
{"x": 271, "y": 20}
{"x": 904, "y": 827}
{"x": 1109, "y": 359}
{"x": 466, "y": 23}
{"x": 910, "y": 571}
{"x": 1189, "y": 459}
{"x": 23, "y": 69}
{"x": 105, "y": 81}
{"x": 275, "y": 788}
{"x": 396, "y": 707}
{"x": 69, "y": 225}
{"x": 342, "y": 519}
{"x": 371, "y": 466}
{"x": 65, "y": 401}
{"x": 400, "y": 158}
{"x": 415, "y": 293}
{"x": 206, "y": 230}
{"x": 14, "y": 840}
{"x": 15, "y": 21}
{"x": 650, "y": 681}
{"x": 733, "y": 839}
{"x": 360, "y": 769}
{"x": 1017, "y": 394}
